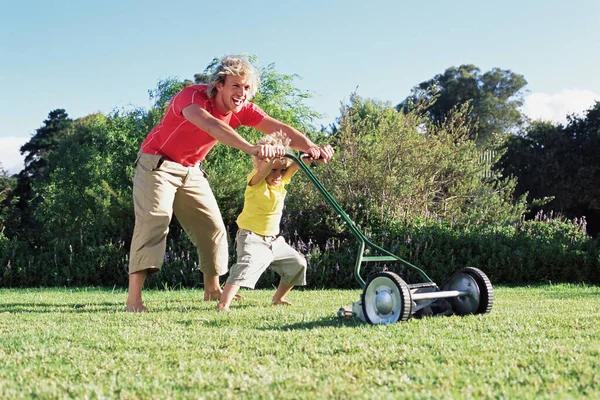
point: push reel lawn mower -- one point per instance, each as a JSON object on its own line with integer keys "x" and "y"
{"x": 387, "y": 298}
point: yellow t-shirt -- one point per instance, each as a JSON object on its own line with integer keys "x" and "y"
{"x": 263, "y": 207}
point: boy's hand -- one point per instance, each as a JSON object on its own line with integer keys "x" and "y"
{"x": 265, "y": 162}
{"x": 271, "y": 160}
{"x": 267, "y": 151}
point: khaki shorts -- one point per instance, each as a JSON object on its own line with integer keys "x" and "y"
{"x": 161, "y": 188}
{"x": 256, "y": 253}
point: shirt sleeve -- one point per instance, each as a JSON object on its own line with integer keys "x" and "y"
{"x": 252, "y": 115}
{"x": 187, "y": 96}
{"x": 251, "y": 174}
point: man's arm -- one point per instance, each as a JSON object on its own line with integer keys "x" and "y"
{"x": 226, "y": 134}
{"x": 299, "y": 141}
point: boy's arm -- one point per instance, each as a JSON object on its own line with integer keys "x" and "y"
{"x": 264, "y": 168}
{"x": 294, "y": 167}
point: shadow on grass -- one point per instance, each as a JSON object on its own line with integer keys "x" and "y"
{"x": 177, "y": 305}
{"x": 275, "y": 325}
{"x": 325, "y": 322}
{"x": 16, "y": 308}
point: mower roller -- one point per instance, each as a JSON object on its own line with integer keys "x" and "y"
{"x": 387, "y": 298}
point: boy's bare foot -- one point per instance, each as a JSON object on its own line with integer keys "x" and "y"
{"x": 281, "y": 302}
{"x": 135, "y": 308}
{"x": 222, "y": 308}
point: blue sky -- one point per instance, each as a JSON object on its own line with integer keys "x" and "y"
{"x": 89, "y": 56}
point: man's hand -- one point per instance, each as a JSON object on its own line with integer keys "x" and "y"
{"x": 322, "y": 153}
{"x": 307, "y": 159}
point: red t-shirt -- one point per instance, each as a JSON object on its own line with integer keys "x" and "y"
{"x": 181, "y": 141}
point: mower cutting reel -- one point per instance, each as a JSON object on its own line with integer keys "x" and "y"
{"x": 387, "y": 298}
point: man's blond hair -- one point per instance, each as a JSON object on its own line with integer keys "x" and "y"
{"x": 238, "y": 66}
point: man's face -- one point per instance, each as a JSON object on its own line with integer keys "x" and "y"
{"x": 233, "y": 93}
{"x": 277, "y": 171}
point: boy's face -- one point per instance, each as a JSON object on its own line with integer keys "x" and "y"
{"x": 277, "y": 170}
{"x": 233, "y": 93}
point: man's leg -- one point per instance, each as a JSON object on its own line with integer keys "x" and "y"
{"x": 212, "y": 288}
{"x": 134, "y": 299}
{"x": 153, "y": 193}
{"x": 198, "y": 213}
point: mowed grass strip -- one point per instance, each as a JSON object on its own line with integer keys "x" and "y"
{"x": 538, "y": 342}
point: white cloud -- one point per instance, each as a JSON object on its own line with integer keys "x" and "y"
{"x": 10, "y": 156}
{"x": 556, "y": 107}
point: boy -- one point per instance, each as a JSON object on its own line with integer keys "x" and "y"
{"x": 258, "y": 246}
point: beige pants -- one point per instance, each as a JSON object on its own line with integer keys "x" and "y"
{"x": 161, "y": 187}
{"x": 256, "y": 253}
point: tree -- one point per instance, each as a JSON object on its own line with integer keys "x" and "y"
{"x": 396, "y": 167}
{"x": 7, "y": 184}
{"x": 38, "y": 166}
{"x": 494, "y": 99}
{"x": 45, "y": 140}
{"x": 561, "y": 163}
{"x": 88, "y": 195}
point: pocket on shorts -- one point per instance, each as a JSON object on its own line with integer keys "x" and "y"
{"x": 149, "y": 162}
{"x": 203, "y": 171}
{"x": 242, "y": 236}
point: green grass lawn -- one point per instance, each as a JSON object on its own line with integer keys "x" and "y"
{"x": 538, "y": 342}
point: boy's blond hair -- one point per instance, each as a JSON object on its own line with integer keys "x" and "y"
{"x": 278, "y": 138}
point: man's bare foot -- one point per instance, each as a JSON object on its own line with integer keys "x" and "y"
{"x": 212, "y": 295}
{"x": 216, "y": 295}
{"x": 283, "y": 302}
{"x": 135, "y": 308}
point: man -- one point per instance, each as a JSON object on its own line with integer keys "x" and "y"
{"x": 169, "y": 178}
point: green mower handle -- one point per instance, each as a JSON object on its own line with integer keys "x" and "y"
{"x": 358, "y": 234}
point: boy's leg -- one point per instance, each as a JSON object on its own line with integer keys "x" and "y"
{"x": 253, "y": 257}
{"x": 291, "y": 266}
{"x": 279, "y": 297}
{"x": 197, "y": 211}
{"x": 227, "y": 296}
{"x": 288, "y": 263}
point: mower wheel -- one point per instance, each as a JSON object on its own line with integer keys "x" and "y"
{"x": 482, "y": 293}
{"x": 386, "y": 299}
